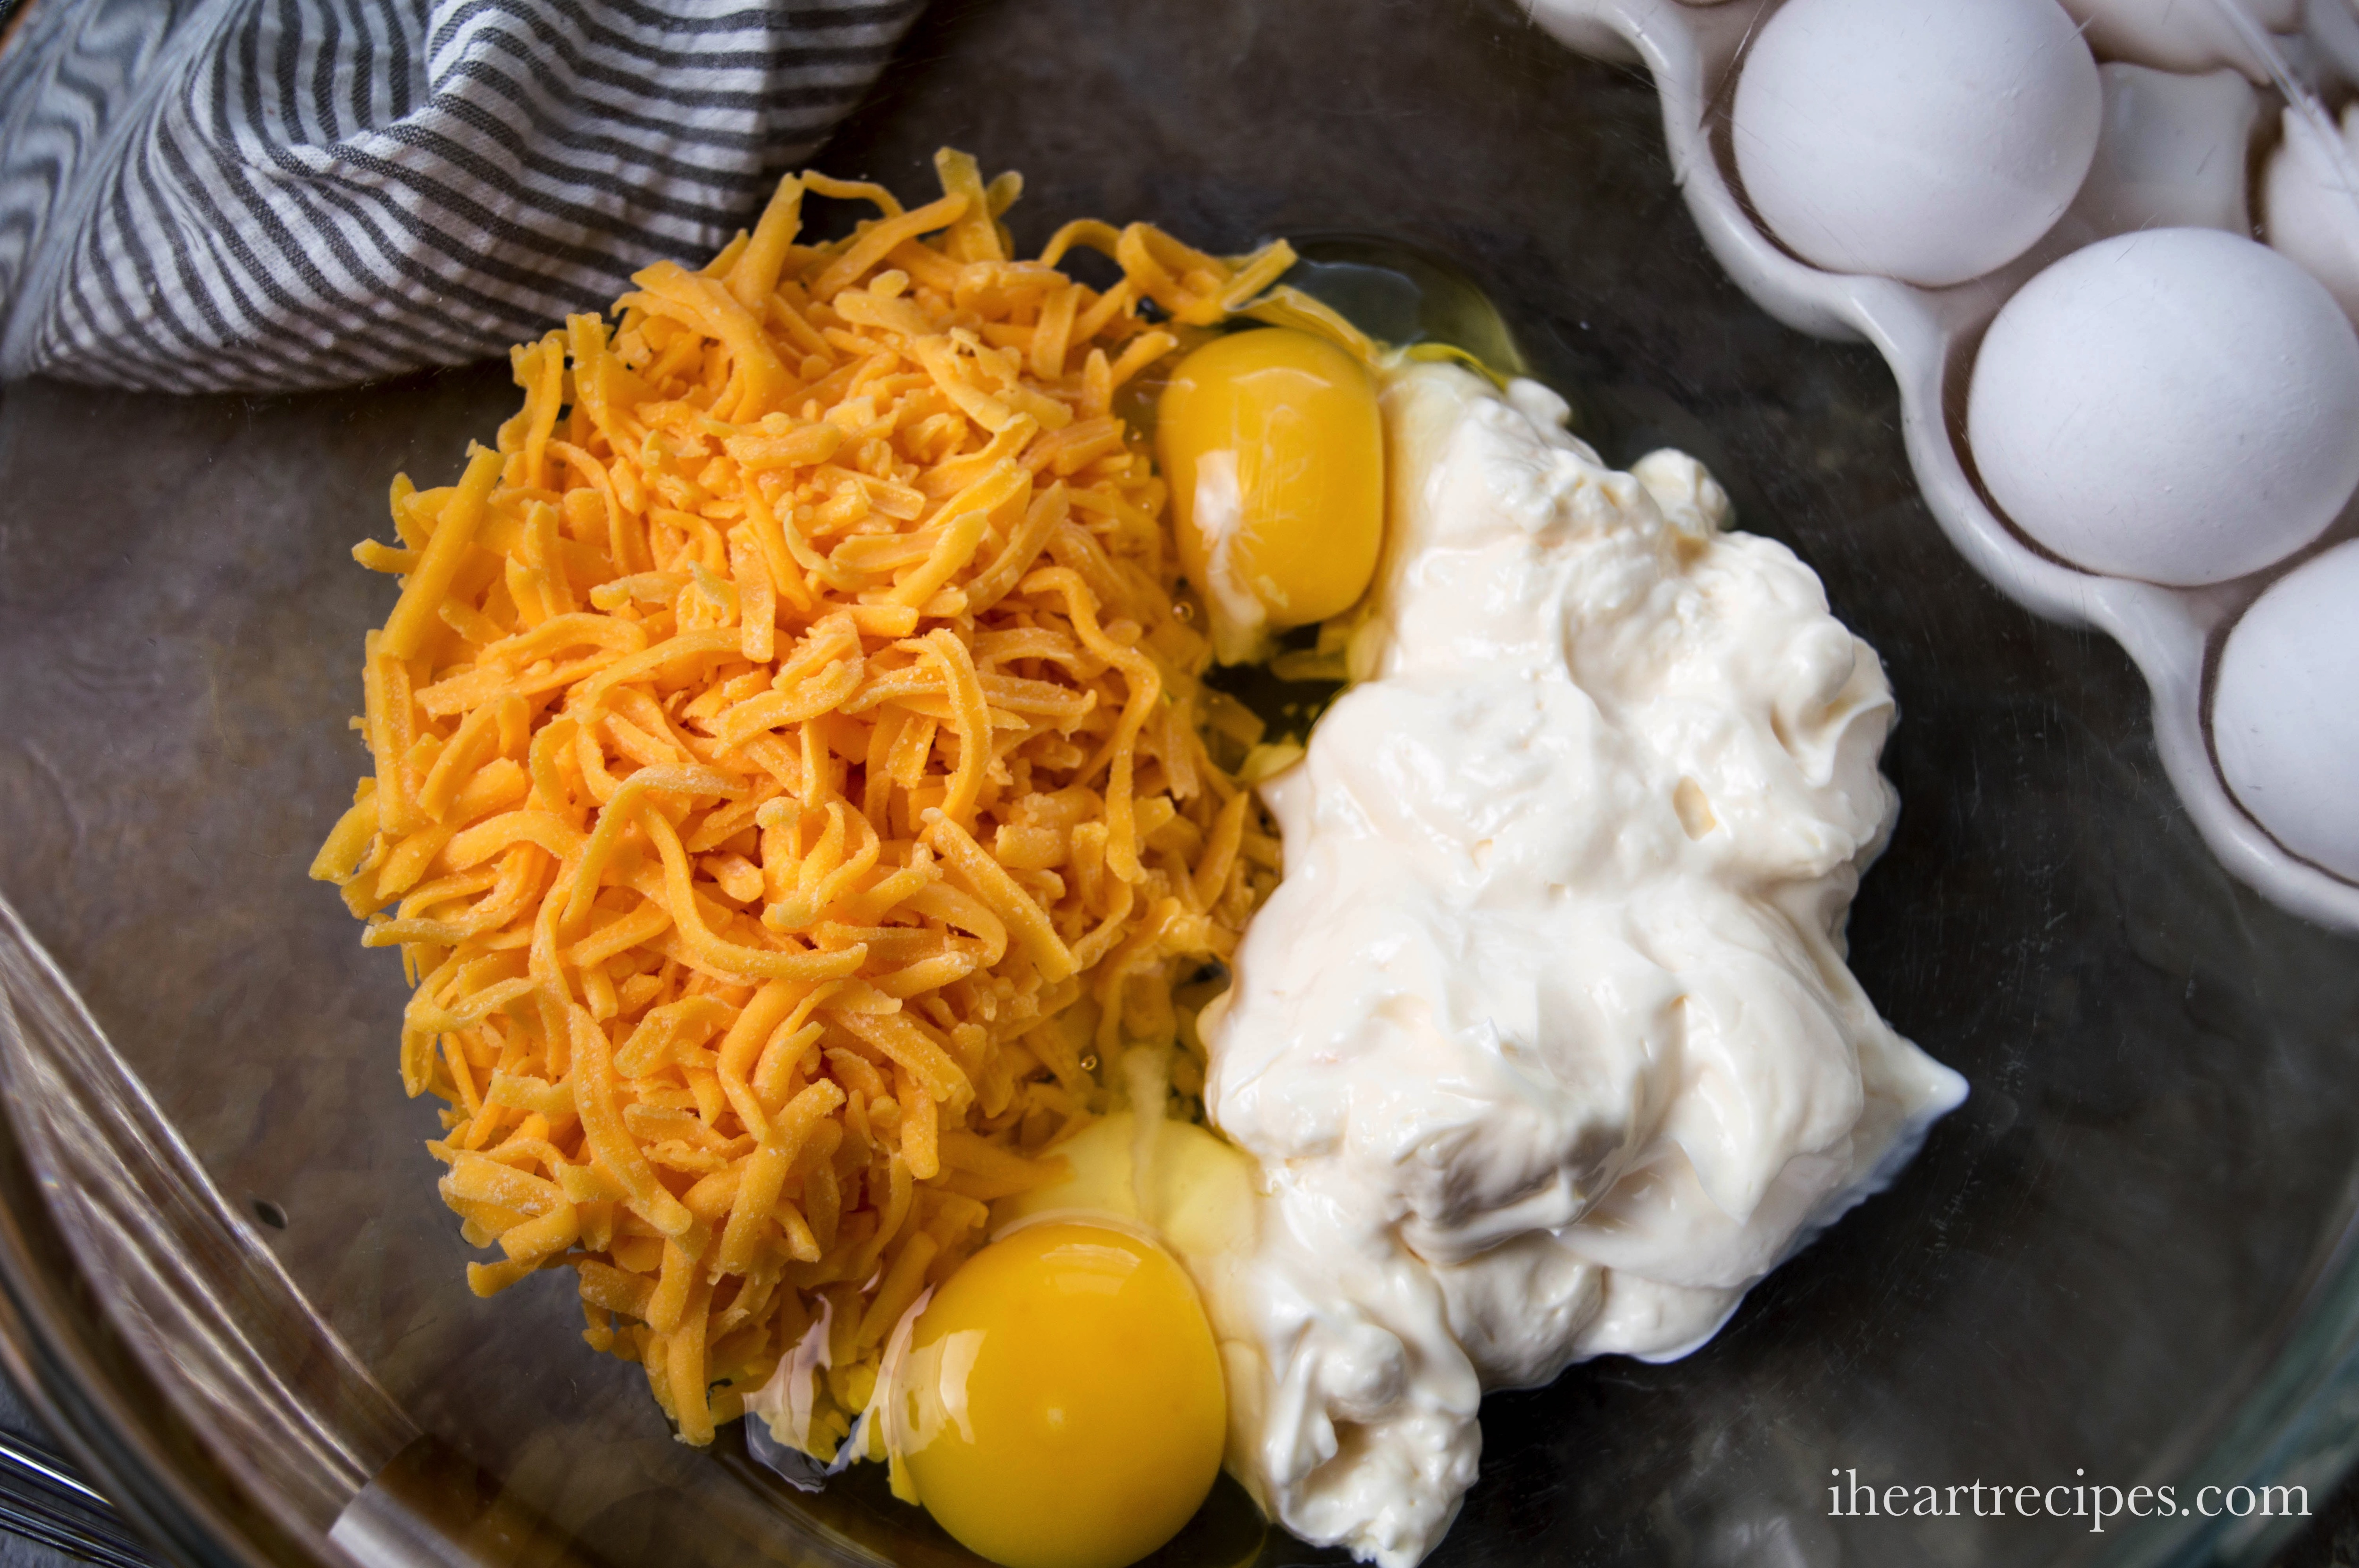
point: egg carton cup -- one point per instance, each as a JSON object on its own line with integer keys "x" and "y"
{"x": 1929, "y": 337}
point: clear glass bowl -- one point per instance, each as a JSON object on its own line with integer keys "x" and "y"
{"x": 227, "y": 1279}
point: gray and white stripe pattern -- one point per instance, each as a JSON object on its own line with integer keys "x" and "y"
{"x": 265, "y": 195}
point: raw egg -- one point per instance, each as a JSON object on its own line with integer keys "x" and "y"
{"x": 2175, "y": 404}
{"x": 1927, "y": 140}
{"x": 1187, "y": 1184}
{"x": 1274, "y": 449}
{"x": 1061, "y": 1403}
{"x": 2283, "y": 723}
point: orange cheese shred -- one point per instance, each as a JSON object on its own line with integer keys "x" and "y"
{"x": 788, "y": 770}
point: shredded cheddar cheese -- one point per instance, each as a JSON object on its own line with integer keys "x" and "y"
{"x": 790, "y": 775}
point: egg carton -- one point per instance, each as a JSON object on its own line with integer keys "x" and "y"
{"x": 1929, "y": 337}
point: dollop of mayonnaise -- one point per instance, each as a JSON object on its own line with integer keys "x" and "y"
{"x": 1545, "y": 1044}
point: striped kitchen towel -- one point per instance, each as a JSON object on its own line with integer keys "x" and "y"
{"x": 265, "y": 195}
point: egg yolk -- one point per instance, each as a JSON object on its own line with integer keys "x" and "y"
{"x": 1061, "y": 1401}
{"x": 1274, "y": 449}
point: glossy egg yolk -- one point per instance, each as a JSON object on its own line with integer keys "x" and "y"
{"x": 1274, "y": 449}
{"x": 1062, "y": 1401}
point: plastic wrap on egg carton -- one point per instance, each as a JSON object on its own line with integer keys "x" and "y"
{"x": 1928, "y": 336}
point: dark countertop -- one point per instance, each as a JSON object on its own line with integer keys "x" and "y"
{"x": 2332, "y": 1539}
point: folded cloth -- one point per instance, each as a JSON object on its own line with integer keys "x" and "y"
{"x": 265, "y": 195}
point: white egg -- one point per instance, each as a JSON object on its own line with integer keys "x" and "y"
{"x": 2311, "y": 203}
{"x": 2180, "y": 405}
{"x": 2284, "y": 721}
{"x": 2181, "y": 35}
{"x": 2172, "y": 153}
{"x": 1925, "y": 140}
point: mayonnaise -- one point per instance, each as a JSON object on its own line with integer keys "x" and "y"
{"x": 1544, "y": 1045}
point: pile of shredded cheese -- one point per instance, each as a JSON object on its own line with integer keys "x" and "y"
{"x": 788, "y": 776}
